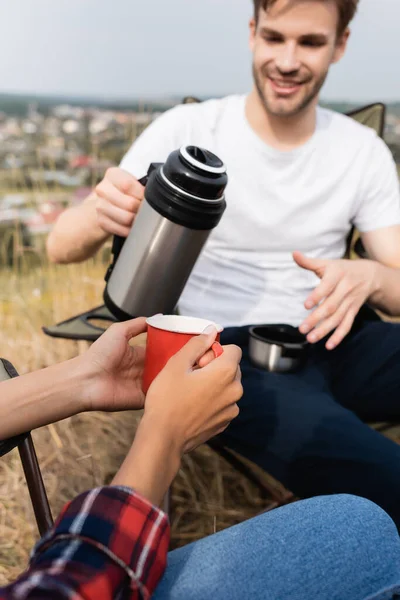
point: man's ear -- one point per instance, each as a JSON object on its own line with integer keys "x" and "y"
{"x": 252, "y": 38}
{"x": 341, "y": 46}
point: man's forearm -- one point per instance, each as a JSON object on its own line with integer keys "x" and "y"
{"x": 76, "y": 235}
{"x": 42, "y": 397}
{"x": 386, "y": 295}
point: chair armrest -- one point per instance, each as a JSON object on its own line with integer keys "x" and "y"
{"x": 7, "y": 371}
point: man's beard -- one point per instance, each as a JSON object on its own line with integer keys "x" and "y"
{"x": 259, "y": 80}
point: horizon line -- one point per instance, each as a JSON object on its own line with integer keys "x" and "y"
{"x": 103, "y": 99}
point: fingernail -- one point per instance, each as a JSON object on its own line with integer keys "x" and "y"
{"x": 312, "y": 337}
{"x": 209, "y": 330}
{"x": 304, "y": 329}
{"x": 309, "y": 304}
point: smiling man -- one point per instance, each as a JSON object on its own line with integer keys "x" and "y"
{"x": 290, "y": 67}
{"x": 300, "y": 177}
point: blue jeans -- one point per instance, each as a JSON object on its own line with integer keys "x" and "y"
{"x": 329, "y": 548}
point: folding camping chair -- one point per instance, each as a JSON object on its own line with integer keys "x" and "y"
{"x": 30, "y": 463}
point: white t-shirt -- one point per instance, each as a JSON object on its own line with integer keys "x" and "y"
{"x": 277, "y": 202}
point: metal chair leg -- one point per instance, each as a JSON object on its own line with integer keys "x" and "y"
{"x": 29, "y": 461}
{"x": 36, "y": 487}
{"x": 167, "y": 503}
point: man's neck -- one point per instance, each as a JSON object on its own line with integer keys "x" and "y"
{"x": 281, "y": 133}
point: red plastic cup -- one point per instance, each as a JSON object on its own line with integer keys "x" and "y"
{"x": 166, "y": 335}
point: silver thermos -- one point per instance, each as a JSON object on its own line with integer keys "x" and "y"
{"x": 184, "y": 200}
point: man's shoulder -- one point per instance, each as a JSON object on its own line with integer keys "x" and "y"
{"x": 192, "y": 123}
{"x": 346, "y": 129}
{"x": 207, "y": 112}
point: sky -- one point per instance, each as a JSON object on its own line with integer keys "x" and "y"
{"x": 157, "y": 48}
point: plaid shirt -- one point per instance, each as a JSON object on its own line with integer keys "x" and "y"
{"x": 107, "y": 543}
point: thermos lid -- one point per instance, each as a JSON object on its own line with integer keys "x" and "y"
{"x": 204, "y": 160}
{"x": 189, "y": 188}
{"x": 197, "y": 172}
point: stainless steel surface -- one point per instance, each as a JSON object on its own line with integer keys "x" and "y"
{"x": 270, "y": 356}
{"x": 154, "y": 265}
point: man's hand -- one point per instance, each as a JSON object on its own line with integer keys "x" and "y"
{"x": 345, "y": 286}
{"x": 114, "y": 369}
{"x": 119, "y": 196}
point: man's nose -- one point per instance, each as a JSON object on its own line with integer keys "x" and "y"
{"x": 287, "y": 60}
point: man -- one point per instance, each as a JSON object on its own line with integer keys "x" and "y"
{"x": 300, "y": 178}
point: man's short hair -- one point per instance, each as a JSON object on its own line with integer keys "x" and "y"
{"x": 347, "y": 9}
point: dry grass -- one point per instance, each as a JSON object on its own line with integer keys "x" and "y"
{"x": 86, "y": 450}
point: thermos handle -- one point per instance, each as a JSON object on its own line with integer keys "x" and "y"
{"x": 118, "y": 240}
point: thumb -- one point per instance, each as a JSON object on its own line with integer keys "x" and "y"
{"x": 305, "y": 262}
{"x": 197, "y": 347}
{"x": 131, "y": 328}
{"x": 134, "y": 188}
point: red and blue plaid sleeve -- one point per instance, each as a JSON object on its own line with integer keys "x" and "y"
{"x": 107, "y": 543}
